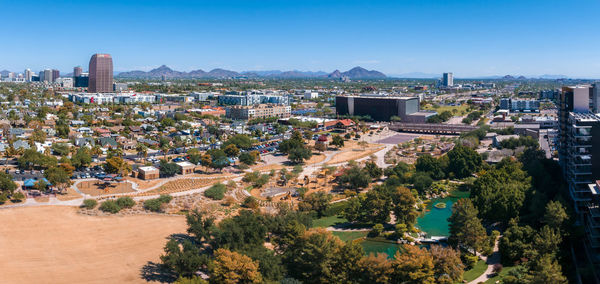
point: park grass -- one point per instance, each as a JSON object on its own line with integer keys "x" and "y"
{"x": 460, "y": 110}
{"x": 329, "y": 221}
{"x": 476, "y": 271}
{"x": 504, "y": 272}
{"x": 350, "y": 235}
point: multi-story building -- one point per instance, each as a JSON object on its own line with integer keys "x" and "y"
{"x": 520, "y": 105}
{"x": 46, "y": 76}
{"x": 101, "y": 74}
{"x": 579, "y": 157}
{"x": 66, "y": 82}
{"x": 77, "y": 71}
{"x": 448, "y": 80}
{"x": 258, "y": 111}
{"x": 107, "y": 98}
{"x": 82, "y": 81}
{"x": 382, "y": 108}
{"x": 55, "y": 75}
{"x": 253, "y": 98}
{"x": 28, "y": 75}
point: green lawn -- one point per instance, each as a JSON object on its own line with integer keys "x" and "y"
{"x": 350, "y": 235}
{"x": 500, "y": 275}
{"x": 476, "y": 271}
{"x": 325, "y": 222}
{"x": 460, "y": 110}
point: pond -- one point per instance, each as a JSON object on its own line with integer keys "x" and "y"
{"x": 434, "y": 221}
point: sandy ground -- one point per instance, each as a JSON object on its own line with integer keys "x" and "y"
{"x": 54, "y": 244}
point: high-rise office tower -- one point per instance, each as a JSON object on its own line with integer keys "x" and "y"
{"x": 101, "y": 74}
{"x": 77, "y": 71}
{"x": 448, "y": 80}
{"x": 28, "y": 75}
{"x": 55, "y": 75}
{"x": 46, "y": 76}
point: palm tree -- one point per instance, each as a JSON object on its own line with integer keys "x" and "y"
{"x": 142, "y": 150}
{"x": 165, "y": 150}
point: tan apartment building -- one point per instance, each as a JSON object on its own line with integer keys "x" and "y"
{"x": 259, "y": 111}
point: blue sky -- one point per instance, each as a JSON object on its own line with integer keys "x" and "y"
{"x": 467, "y": 37}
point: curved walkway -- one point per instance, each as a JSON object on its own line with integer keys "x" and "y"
{"x": 491, "y": 261}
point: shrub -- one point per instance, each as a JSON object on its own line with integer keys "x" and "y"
{"x": 153, "y": 205}
{"x": 3, "y": 198}
{"x": 216, "y": 192}
{"x": 376, "y": 230}
{"x": 110, "y": 206}
{"x": 89, "y": 203}
{"x": 251, "y": 202}
{"x": 228, "y": 201}
{"x": 165, "y": 198}
{"x": 125, "y": 202}
{"x": 18, "y": 196}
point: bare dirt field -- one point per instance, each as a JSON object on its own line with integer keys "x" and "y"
{"x": 54, "y": 244}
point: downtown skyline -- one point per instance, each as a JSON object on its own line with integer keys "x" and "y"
{"x": 467, "y": 38}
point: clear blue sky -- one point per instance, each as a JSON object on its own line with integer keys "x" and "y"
{"x": 468, "y": 37}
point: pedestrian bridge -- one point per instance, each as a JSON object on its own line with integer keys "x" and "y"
{"x": 432, "y": 240}
{"x": 431, "y": 128}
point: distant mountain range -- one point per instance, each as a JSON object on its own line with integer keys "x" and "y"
{"x": 354, "y": 73}
{"x": 164, "y": 71}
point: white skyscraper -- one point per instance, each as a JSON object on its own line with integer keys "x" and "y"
{"x": 28, "y": 75}
{"x": 448, "y": 80}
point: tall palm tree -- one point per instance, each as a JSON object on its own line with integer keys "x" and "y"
{"x": 142, "y": 150}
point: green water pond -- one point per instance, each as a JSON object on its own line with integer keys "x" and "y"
{"x": 434, "y": 222}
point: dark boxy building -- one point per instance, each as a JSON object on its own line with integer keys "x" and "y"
{"x": 381, "y": 108}
{"x": 101, "y": 74}
{"x": 579, "y": 157}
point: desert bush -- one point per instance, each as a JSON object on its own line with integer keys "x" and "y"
{"x": 216, "y": 192}
{"x": 89, "y": 203}
{"x": 125, "y": 202}
{"x": 110, "y": 206}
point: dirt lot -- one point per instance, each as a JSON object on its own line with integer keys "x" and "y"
{"x": 95, "y": 187}
{"x": 54, "y": 244}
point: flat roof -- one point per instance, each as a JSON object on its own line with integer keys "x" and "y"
{"x": 148, "y": 168}
{"x": 185, "y": 164}
{"x": 381, "y": 97}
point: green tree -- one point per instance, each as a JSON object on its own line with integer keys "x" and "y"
{"x": 7, "y": 185}
{"x": 465, "y": 227}
{"x": 431, "y": 165}
{"x": 463, "y": 161}
{"x": 298, "y": 155}
{"x": 232, "y": 151}
{"x": 337, "y": 141}
{"x": 184, "y": 259}
{"x": 555, "y": 215}
{"x": 247, "y": 158}
{"x": 374, "y": 171}
{"x": 317, "y": 201}
{"x": 168, "y": 169}
{"x": 81, "y": 158}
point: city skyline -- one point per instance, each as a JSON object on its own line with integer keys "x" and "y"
{"x": 467, "y": 38}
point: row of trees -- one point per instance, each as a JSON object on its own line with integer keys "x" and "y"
{"x": 233, "y": 252}
{"x": 525, "y": 196}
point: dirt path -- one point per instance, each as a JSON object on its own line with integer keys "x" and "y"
{"x": 54, "y": 244}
